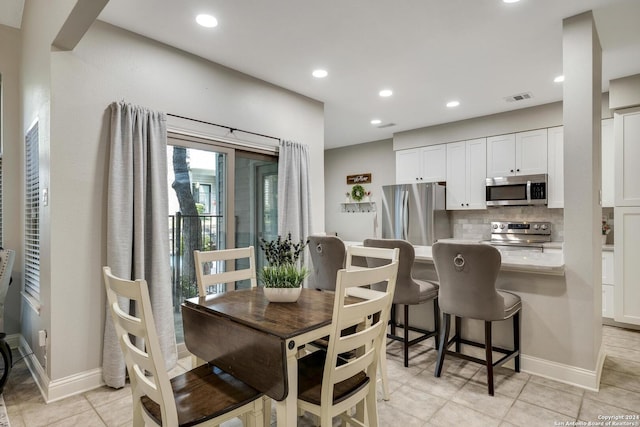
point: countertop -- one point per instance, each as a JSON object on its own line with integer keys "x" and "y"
{"x": 550, "y": 261}
{"x": 547, "y": 262}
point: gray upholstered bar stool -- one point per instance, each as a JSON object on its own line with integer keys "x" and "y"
{"x": 467, "y": 274}
{"x": 409, "y": 291}
{"x": 327, "y": 257}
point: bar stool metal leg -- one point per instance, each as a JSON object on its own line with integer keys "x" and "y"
{"x": 444, "y": 338}
{"x": 489, "y": 355}
{"x": 516, "y": 340}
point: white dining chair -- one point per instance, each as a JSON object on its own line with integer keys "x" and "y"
{"x": 330, "y": 386}
{"x": 361, "y": 253}
{"x": 208, "y": 262}
{"x": 202, "y": 396}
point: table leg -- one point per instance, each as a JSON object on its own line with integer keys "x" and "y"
{"x": 287, "y": 409}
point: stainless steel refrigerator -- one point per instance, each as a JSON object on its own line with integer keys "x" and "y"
{"x": 415, "y": 212}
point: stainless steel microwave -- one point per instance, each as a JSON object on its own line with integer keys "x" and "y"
{"x": 519, "y": 190}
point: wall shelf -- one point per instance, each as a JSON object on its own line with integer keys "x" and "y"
{"x": 352, "y": 207}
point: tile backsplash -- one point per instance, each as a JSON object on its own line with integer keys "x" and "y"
{"x": 475, "y": 225}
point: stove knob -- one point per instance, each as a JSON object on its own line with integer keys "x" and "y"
{"x": 502, "y": 226}
{"x": 544, "y": 226}
{"x": 494, "y": 226}
{"x": 536, "y": 226}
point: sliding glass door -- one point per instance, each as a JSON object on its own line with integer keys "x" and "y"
{"x": 256, "y": 197}
{"x": 219, "y": 197}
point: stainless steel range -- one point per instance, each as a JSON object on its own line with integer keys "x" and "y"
{"x": 520, "y": 234}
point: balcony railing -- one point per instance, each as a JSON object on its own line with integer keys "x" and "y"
{"x": 182, "y": 269}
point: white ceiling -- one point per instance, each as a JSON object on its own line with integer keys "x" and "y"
{"x": 428, "y": 51}
{"x": 11, "y": 12}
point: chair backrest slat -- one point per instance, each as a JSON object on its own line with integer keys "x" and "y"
{"x": 351, "y": 368}
{"x": 206, "y": 258}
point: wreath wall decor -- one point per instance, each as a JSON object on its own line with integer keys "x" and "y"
{"x": 358, "y": 192}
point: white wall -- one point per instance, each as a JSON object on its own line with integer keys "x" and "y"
{"x": 582, "y": 67}
{"x": 376, "y": 158}
{"x": 524, "y": 119}
{"x": 11, "y": 167}
{"x": 625, "y": 92}
{"x": 40, "y": 23}
{"x": 72, "y": 91}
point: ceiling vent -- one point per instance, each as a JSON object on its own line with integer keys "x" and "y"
{"x": 386, "y": 125}
{"x": 519, "y": 97}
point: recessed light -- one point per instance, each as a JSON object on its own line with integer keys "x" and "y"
{"x": 207, "y": 21}
{"x": 559, "y": 79}
{"x": 452, "y": 104}
{"x": 386, "y": 93}
{"x": 320, "y": 74}
{"x": 376, "y": 121}
{"x": 510, "y": 1}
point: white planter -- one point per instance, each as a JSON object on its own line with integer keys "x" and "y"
{"x": 282, "y": 294}
{"x": 604, "y": 239}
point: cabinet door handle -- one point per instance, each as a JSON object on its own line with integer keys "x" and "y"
{"x": 511, "y": 170}
{"x": 517, "y": 170}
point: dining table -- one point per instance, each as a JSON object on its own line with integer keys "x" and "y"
{"x": 258, "y": 341}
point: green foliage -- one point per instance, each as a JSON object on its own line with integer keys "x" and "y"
{"x": 283, "y": 276}
{"x": 358, "y": 192}
{"x": 200, "y": 208}
{"x": 282, "y": 256}
{"x": 282, "y": 251}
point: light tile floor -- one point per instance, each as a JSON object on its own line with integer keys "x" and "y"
{"x": 459, "y": 398}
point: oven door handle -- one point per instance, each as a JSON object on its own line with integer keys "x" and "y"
{"x": 529, "y": 192}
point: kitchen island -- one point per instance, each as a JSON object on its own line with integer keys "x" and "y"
{"x": 539, "y": 279}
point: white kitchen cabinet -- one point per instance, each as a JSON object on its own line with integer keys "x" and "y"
{"x": 608, "y": 284}
{"x": 424, "y": 164}
{"x": 523, "y": 153}
{"x": 608, "y": 163}
{"x": 627, "y": 267}
{"x": 627, "y": 156}
{"x": 555, "y": 167}
{"x": 501, "y": 155}
{"x": 466, "y": 174}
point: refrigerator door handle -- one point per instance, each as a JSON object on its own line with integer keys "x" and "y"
{"x": 405, "y": 215}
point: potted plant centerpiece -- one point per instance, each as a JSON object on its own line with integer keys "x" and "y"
{"x": 283, "y": 276}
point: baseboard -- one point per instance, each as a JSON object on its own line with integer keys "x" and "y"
{"x": 37, "y": 372}
{"x": 572, "y": 375}
{"x": 65, "y": 387}
{"x": 13, "y": 340}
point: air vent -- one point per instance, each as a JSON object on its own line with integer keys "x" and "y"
{"x": 519, "y": 97}
{"x": 386, "y": 125}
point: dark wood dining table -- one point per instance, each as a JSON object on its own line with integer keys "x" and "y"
{"x": 257, "y": 341}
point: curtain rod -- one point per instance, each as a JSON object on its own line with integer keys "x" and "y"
{"x": 231, "y": 129}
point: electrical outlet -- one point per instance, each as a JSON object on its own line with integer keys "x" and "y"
{"x": 42, "y": 338}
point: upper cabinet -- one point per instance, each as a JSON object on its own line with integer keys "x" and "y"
{"x": 608, "y": 163}
{"x": 555, "y": 167}
{"x": 627, "y": 154}
{"x": 523, "y": 153}
{"x": 466, "y": 174}
{"x": 424, "y": 164}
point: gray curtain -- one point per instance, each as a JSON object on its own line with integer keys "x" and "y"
{"x": 137, "y": 225}
{"x": 294, "y": 199}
